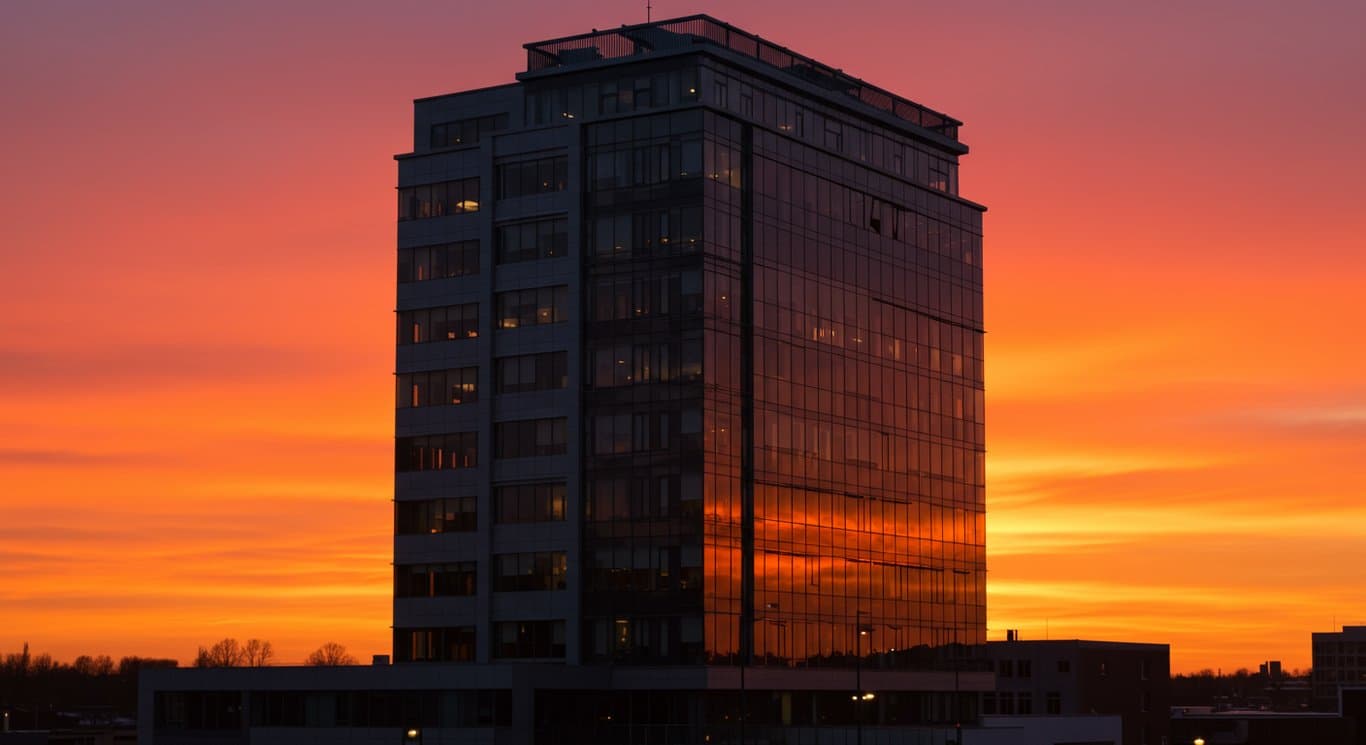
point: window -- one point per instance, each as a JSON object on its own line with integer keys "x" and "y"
{"x": 676, "y": 229}
{"x": 437, "y": 452}
{"x": 1064, "y": 666}
{"x": 635, "y": 498}
{"x": 436, "y": 200}
{"x": 1024, "y": 703}
{"x": 529, "y": 438}
{"x": 434, "y": 580}
{"x": 393, "y": 710}
{"x": 529, "y": 503}
{"x": 528, "y": 639}
{"x": 536, "y": 239}
{"x": 542, "y": 176}
{"x": 449, "y": 515}
{"x": 546, "y": 371}
{"x": 452, "y": 644}
{"x": 632, "y": 364}
{"x": 613, "y": 434}
{"x": 527, "y": 572}
{"x": 631, "y": 164}
{"x": 834, "y": 135}
{"x": 639, "y": 296}
{"x": 449, "y": 323}
{"x": 1054, "y": 700}
{"x": 939, "y": 179}
{"x": 466, "y": 131}
{"x": 534, "y": 307}
{"x": 989, "y": 704}
{"x": 441, "y": 261}
{"x": 438, "y": 387}
{"x": 1005, "y": 668}
{"x": 1024, "y": 668}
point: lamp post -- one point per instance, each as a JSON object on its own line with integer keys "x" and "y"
{"x": 859, "y": 697}
{"x": 411, "y": 736}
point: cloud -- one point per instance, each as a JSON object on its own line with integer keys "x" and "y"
{"x": 22, "y": 457}
{"x": 140, "y": 365}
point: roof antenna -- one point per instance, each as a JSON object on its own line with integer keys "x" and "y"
{"x": 648, "y": 8}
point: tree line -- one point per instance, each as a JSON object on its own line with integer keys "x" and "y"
{"x": 257, "y": 653}
{"x": 38, "y": 690}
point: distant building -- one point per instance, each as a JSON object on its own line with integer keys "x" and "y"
{"x": 1339, "y": 660}
{"x": 1256, "y": 727}
{"x": 1074, "y": 677}
{"x": 1090, "y": 729}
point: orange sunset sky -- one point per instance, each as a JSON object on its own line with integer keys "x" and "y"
{"x": 197, "y": 279}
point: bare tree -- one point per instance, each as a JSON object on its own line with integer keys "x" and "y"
{"x": 87, "y": 665}
{"x": 331, "y": 654}
{"x": 257, "y": 653}
{"x": 227, "y": 653}
{"x": 129, "y": 666}
{"x": 18, "y": 664}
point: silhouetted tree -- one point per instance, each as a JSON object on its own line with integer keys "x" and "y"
{"x": 87, "y": 665}
{"x": 37, "y": 690}
{"x": 17, "y": 663}
{"x": 130, "y": 666}
{"x": 330, "y": 654}
{"x": 42, "y": 665}
{"x": 226, "y": 653}
{"x": 257, "y": 653}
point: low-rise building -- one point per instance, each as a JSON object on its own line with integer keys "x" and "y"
{"x": 1339, "y": 659}
{"x": 1077, "y": 677}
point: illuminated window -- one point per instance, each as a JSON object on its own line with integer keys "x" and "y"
{"x": 466, "y": 131}
{"x": 533, "y": 307}
{"x": 438, "y": 200}
{"x": 438, "y": 387}
{"x": 541, "y": 176}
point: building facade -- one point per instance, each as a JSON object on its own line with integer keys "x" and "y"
{"x": 1339, "y": 661}
{"x": 689, "y": 379}
{"x": 1076, "y": 677}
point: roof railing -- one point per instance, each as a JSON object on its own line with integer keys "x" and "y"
{"x": 644, "y": 38}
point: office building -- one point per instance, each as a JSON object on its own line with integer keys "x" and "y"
{"x": 1339, "y": 661}
{"x": 689, "y": 397}
{"x": 1077, "y": 677}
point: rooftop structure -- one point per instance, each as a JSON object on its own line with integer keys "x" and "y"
{"x": 684, "y": 33}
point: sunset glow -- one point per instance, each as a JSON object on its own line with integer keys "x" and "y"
{"x": 197, "y": 265}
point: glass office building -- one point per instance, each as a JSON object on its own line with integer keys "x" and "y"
{"x": 727, "y": 305}
{"x": 689, "y": 435}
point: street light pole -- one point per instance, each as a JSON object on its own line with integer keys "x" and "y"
{"x": 858, "y": 685}
{"x": 860, "y": 698}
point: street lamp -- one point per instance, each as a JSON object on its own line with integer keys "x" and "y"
{"x": 1199, "y": 741}
{"x": 412, "y": 736}
{"x": 860, "y": 697}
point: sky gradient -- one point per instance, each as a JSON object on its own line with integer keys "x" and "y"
{"x": 197, "y": 279}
